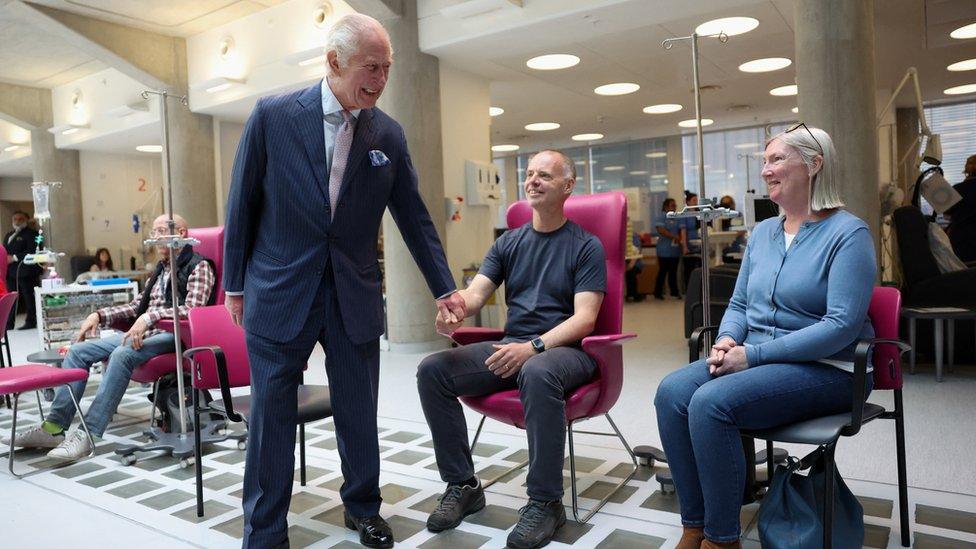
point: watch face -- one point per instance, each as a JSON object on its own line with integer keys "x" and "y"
{"x": 538, "y": 345}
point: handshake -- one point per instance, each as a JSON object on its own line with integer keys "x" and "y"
{"x": 451, "y": 312}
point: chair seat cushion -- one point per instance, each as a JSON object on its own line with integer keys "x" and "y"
{"x": 156, "y": 367}
{"x": 821, "y": 430}
{"x": 314, "y": 403}
{"x": 505, "y": 406}
{"x": 33, "y": 377}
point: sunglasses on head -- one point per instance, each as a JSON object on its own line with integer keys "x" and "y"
{"x": 799, "y": 125}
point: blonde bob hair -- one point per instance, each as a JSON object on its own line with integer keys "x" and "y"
{"x": 825, "y": 184}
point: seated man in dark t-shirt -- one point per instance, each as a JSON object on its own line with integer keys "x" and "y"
{"x": 555, "y": 279}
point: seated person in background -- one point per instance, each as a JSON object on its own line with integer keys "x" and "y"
{"x": 122, "y": 352}
{"x": 962, "y": 224}
{"x": 785, "y": 347}
{"x": 103, "y": 261}
{"x": 555, "y": 279}
{"x": 668, "y": 250}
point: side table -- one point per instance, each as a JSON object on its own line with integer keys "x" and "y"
{"x": 939, "y": 316}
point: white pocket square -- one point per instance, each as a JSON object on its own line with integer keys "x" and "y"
{"x": 378, "y": 158}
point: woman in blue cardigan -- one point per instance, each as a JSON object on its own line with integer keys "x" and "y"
{"x": 785, "y": 348}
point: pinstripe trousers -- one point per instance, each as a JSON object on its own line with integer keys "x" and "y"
{"x": 276, "y": 369}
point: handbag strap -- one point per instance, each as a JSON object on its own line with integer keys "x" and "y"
{"x": 811, "y": 458}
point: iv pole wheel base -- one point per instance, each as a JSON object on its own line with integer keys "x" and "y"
{"x": 128, "y": 460}
{"x": 648, "y": 455}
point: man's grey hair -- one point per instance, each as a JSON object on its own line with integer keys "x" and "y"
{"x": 569, "y": 167}
{"x": 825, "y": 184}
{"x": 345, "y": 34}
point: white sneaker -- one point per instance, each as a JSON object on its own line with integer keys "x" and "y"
{"x": 76, "y": 446}
{"x": 35, "y": 437}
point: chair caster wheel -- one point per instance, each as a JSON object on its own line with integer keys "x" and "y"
{"x": 48, "y": 395}
{"x": 667, "y": 483}
{"x": 242, "y": 445}
{"x": 186, "y": 462}
{"x": 779, "y": 456}
{"x": 648, "y": 455}
{"x": 128, "y": 459}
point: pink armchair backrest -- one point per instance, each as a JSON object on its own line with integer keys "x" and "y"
{"x": 213, "y": 326}
{"x": 212, "y": 247}
{"x": 884, "y": 311}
{"x": 605, "y": 216}
{"x": 7, "y": 302}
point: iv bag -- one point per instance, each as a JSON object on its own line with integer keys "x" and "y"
{"x": 42, "y": 210}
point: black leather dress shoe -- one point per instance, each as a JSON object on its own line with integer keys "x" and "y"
{"x": 373, "y": 531}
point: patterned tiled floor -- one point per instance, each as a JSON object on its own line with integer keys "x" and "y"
{"x": 157, "y": 492}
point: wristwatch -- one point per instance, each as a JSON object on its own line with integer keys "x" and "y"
{"x": 538, "y": 345}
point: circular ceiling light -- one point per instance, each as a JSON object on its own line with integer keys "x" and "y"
{"x": 495, "y": 111}
{"x": 552, "y": 62}
{"x": 784, "y": 91}
{"x": 663, "y": 108}
{"x": 542, "y": 126}
{"x": 587, "y": 136}
{"x": 150, "y": 148}
{"x": 967, "y": 65}
{"x": 638, "y": 172}
{"x": 658, "y": 154}
{"x": 962, "y": 33}
{"x": 795, "y": 110}
{"x": 504, "y": 148}
{"x": 768, "y": 64}
{"x": 613, "y": 168}
{"x": 618, "y": 88}
{"x": 959, "y": 90}
{"x": 731, "y": 26}
{"x": 693, "y": 123}
{"x": 752, "y": 145}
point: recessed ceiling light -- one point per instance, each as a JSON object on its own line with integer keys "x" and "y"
{"x": 541, "y": 126}
{"x": 959, "y": 90}
{"x": 731, "y": 26}
{"x": 658, "y": 154}
{"x": 552, "y": 62}
{"x": 67, "y": 129}
{"x": 784, "y": 91}
{"x": 495, "y": 111}
{"x": 658, "y": 176}
{"x": 795, "y": 110}
{"x": 663, "y": 108}
{"x": 693, "y": 123}
{"x": 12, "y": 147}
{"x": 967, "y": 65}
{"x": 618, "y": 88}
{"x": 638, "y": 172}
{"x": 765, "y": 65}
{"x": 218, "y": 84}
{"x": 150, "y": 148}
{"x": 613, "y": 168}
{"x": 962, "y": 33}
{"x": 587, "y": 136}
{"x": 504, "y": 148}
{"x": 746, "y": 145}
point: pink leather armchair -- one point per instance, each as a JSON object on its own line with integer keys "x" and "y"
{"x": 604, "y": 215}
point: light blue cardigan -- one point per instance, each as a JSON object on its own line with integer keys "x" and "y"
{"x": 808, "y": 303}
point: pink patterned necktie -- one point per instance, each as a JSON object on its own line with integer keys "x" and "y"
{"x": 340, "y": 154}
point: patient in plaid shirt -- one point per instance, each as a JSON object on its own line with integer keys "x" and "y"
{"x": 122, "y": 352}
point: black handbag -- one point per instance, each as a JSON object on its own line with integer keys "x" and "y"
{"x": 791, "y": 513}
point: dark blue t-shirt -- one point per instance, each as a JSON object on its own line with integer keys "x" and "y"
{"x": 542, "y": 273}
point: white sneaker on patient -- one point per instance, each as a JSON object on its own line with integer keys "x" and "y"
{"x": 75, "y": 446}
{"x": 35, "y": 437}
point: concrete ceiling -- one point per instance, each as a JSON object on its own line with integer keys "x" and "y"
{"x": 620, "y": 41}
{"x": 31, "y": 57}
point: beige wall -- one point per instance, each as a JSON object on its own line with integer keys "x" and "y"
{"x": 110, "y": 191}
{"x": 226, "y": 137}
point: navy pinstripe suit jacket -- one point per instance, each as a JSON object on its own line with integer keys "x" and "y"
{"x": 279, "y": 236}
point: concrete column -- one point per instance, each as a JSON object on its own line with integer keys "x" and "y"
{"x": 412, "y": 97}
{"x": 191, "y": 166}
{"x": 836, "y": 78}
{"x": 64, "y": 232}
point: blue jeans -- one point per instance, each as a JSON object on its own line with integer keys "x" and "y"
{"x": 122, "y": 359}
{"x": 699, "y": 417}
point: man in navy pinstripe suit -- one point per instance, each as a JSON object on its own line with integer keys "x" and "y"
{"x": 314, "y": 172}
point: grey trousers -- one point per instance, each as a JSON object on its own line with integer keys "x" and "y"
{"x": 543, "y": 383}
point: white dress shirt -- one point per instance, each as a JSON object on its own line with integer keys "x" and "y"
{"x": 332, "y": 120}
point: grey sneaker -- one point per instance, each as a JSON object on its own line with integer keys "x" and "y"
{"x": 538, "y": 522}
{"x": 75, "y": 447}
{"x": 456, "y": 503}
{"x": 35, "y": 437}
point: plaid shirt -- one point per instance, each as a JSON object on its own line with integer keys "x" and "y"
{"x": 198, "y": 288}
